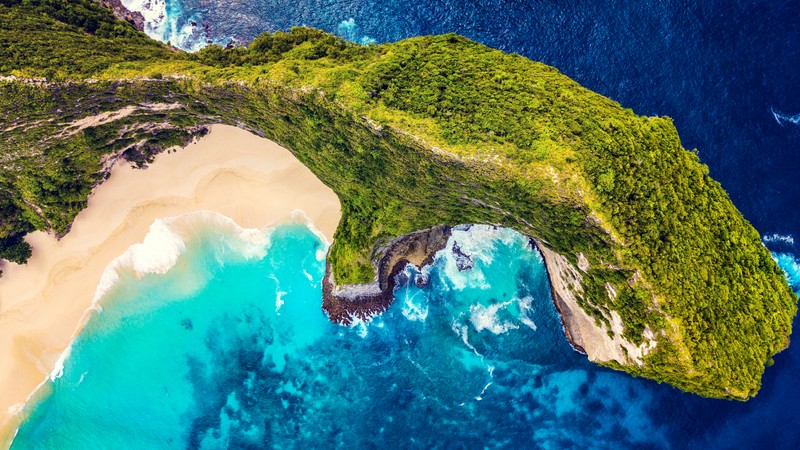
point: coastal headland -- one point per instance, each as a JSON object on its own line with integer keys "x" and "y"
{"x": 647, "y": 251}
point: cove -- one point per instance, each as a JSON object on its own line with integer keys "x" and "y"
{"x": 226, "y": 346}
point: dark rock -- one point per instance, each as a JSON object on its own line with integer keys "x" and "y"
{"x": 345, "y": 304}
{"x": 463, "y": 260}
{"x": 187, "y": 324}
{"x": 422, "y": 280}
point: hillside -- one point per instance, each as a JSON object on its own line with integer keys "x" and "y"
{"x": 416, "y": 134}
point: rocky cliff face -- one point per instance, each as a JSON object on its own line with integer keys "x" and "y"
{"x": 599, "y": 342}
{"x": 347, "y": 303}
{"x": 134, "y": 18}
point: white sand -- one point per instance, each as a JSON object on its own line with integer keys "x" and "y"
{"x": 230, "y": 171}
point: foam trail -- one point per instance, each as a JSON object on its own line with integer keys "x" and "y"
{"x": 791, "y": 267}
{"x": 526, "y": 308}
{"x": 783, "y": 118}
{"x": 490, "y": 370}
{"x": 775, "y": 238}
{"x": 463, "y": 332}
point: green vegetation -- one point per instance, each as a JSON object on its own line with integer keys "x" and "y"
{"x": 67, "y": 39}
{"x": 423, "y": 132}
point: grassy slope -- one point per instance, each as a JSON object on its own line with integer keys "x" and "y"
{"x": 516, "y": 143}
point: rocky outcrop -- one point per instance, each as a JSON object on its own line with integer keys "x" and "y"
{"x": 134, "y": 18}
{"x": 348, "y": 303}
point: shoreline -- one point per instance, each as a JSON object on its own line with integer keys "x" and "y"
{"x": 240, "y": 175}
{"x": 556, "y": 295}
{"x": 350, "y": 303}
{"x": 44, "y": 304}
{"x": 344, "y": 304}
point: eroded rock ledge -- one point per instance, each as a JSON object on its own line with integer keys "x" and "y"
{"x": 348, "y": 303}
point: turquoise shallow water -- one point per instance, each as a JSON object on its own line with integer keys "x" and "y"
{"x": 229, "y": 348}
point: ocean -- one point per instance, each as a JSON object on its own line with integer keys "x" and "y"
{"x": 223, "y": 344}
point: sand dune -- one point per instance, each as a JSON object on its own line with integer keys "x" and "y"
{"x": 43, "y": 304}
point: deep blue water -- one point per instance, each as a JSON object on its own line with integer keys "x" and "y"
{"x": 726, "y": 72}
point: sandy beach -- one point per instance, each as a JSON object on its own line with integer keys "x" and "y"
{"x": 252, "y": 180}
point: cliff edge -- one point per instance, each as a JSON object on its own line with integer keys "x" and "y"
{"x": 653, "y": 268}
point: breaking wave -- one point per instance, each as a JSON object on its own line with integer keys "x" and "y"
{"x": 790, "y": 265}
{"x": 349, "y": 30}
{"x": 785, "y": 118}
{"x": 786, "y": 239}
{"x": 165, "y": 21}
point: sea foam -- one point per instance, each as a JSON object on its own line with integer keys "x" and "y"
{"x": 791, "y": 267}
{"x": 166, "y": 22}
{"x": 487, "y": 318}
{"x": 349, "y": 30}
{"x": 775, "y": 238}
{"x": 475, "y": 246}
{"x": 167, "y": 240}
{"x": 785, "y": 118}
{"x": 159, "y": 252}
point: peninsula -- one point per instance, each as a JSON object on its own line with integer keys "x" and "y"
{"x": 654, "y": 270}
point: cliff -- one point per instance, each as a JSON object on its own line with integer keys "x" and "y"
{"x": 134, "y": 18}
{"x": 654, "y": 270}
{"x": 346, "y": 303}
